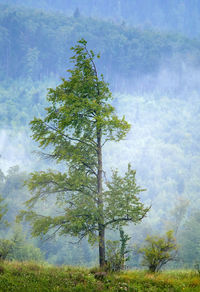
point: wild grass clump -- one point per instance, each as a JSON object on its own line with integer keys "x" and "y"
{"x": 30, "y": 276}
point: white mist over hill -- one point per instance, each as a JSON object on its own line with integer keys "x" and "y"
{"x": 15, "y": 149}
{"x": 163, "y": 144}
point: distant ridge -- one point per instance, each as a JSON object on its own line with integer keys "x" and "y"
{"x": 177, "y": 16}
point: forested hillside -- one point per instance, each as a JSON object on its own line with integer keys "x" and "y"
{"x": 35, "y": 48}
{"x": 154, "y": 76}
{"x": 180, "y": 16}
{"x": 36, "y": 44}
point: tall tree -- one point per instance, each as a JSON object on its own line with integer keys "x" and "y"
{"x": 77, "y": 125}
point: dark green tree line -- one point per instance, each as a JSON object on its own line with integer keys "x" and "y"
{"x": 179, "y": 16}
{"x": 34, "y": 44}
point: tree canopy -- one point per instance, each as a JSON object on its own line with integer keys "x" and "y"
{"x": 79, "y": 121}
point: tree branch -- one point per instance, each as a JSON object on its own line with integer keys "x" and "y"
{"x": 127, "y": 218}
{"x": 70, "y": 138}
{"x": 53, "y": 234}
{"x": 88, "y": 166}
{"x": 94, "y": 68}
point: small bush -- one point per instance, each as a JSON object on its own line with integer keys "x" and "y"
{"x": 6, "y": 247}
{"x": 116, "y": 253}
{"x": 114, "y": 259}
{"x": 158, "y": 251}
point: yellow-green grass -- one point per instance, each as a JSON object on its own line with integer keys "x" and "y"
{"x": 32, "y": 277}
{"x": 177, "y": 280}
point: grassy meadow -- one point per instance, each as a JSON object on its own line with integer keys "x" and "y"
{"x": 28, "y": 276}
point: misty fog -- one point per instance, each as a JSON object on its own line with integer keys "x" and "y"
{"x": 161, "y": 104}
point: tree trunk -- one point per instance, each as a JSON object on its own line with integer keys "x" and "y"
{"x": 101, "y": 246}
{"x": 101, "y": 226}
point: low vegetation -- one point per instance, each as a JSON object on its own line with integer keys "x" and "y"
{"x": 29, "y": 276}
{"x": 158, "y": 251}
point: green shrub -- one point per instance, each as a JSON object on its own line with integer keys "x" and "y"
{"x": 116, "y": 253}
{"x": 158, "y": 251}
{"x": 113, "y": 255}
{"x": 6, "y": 247}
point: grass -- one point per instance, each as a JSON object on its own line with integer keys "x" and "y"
{"x": 29, "y": 276}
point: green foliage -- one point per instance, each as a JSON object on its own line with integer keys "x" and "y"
{"x": 124, "y": 238}
{"x": 22, "y": 250}
{"x": 58, "y": 251}
{"x": 18, "y": 248}
{"x": 6, "y": 247}
{"x": 122, "y": 201}
{"x": 79, "y": 121}
{"x": 113, "y": 256}
{"x": 158, "y": 251}
{"x": 117, "y": 252}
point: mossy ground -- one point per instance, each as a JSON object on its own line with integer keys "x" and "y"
{"x": 32, "y": 277}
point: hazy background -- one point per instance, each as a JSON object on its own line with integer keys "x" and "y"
{"x": 150, "y": 55}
